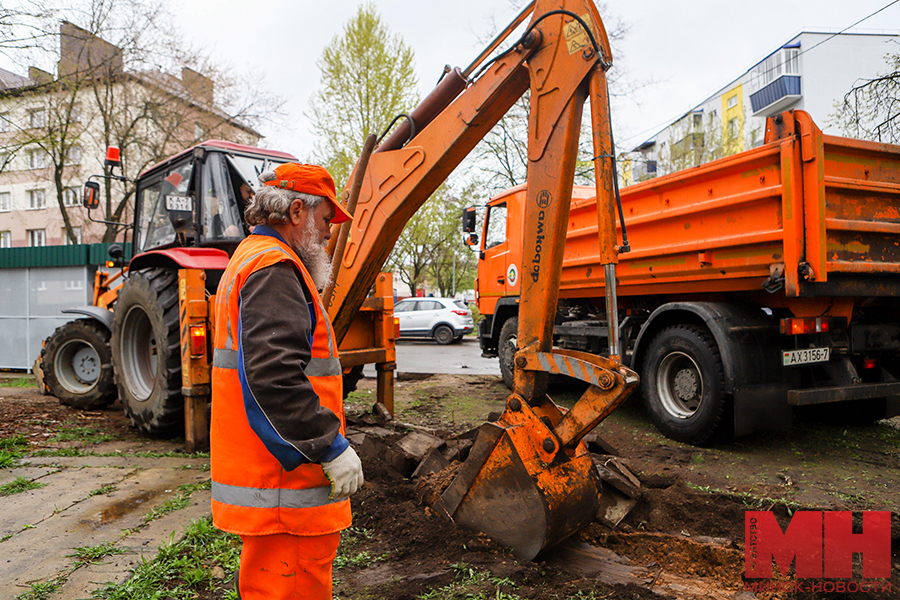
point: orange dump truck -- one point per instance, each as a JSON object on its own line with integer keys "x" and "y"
{"x": 757, "y": 284}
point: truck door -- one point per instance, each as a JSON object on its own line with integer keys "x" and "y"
{"x": 498, "y": 277}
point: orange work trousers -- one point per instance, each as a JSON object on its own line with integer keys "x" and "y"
{"x": 287, "y": 567}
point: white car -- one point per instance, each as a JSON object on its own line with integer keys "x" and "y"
{"x": 444, "y": 319}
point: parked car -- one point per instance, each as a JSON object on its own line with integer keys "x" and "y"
{"x": 444, "y": 319}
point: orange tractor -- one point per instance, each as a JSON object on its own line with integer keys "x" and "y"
{"x": 147, "y": 335}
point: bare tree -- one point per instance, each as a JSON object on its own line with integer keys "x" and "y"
{"x": 871, "y": 109}
{"x": 115, "y": 87}
{"x": 502, "y": 157}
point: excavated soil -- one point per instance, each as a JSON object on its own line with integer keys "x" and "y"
{"x": 684, "y": 538}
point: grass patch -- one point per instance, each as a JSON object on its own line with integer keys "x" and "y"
{"x": 86, "y": 555}
{"x": 347, "y": 555}
{"x": 42, "y": 590}
{"x": 101, "y": 491}
{"x": 20, "y": 382}
{"x": 472, "y": 584}
{"x": 62, "y": 452}
{"x": 183, "y": 570}
{"x": 13, "y": 442}
{"x": 751, "y": 501}
{"x": 88, "y": 435}
{"x": 19, "y": 485}
{"x": 179, "y": 501}
{"x": 8, "y": 459}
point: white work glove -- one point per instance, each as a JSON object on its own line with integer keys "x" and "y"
{"x": 345, "y": 474}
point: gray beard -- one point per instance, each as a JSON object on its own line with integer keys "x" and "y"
{"x": 314, "y": 256}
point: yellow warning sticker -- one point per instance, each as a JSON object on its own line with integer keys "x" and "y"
{"x": 576, "y": 37}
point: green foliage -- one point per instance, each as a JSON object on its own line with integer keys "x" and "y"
{"x": 183, "y": 570}
{"x": 430, "y": 249}
{"x": 19, "y": 485}
{"x": 367, "y": 78}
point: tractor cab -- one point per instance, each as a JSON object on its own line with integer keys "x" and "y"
{"x": 197, "y": 198}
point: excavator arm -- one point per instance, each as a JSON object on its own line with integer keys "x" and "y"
{"x": 529, "y": 481}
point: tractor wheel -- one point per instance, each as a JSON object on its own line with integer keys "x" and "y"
{"x": 506, "y": 350}
{"x": 146, "y": 352}
{"x": 76, "y": 365}
{"x": 683, "y": 384}
{"x": 443, "y": 335}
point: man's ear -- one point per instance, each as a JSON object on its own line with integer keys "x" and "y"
{"x": 296, "y": 211}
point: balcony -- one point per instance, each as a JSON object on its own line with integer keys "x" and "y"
{"x": 776, "y": 96}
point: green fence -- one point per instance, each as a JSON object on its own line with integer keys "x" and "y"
{"x": 56, "y": 256}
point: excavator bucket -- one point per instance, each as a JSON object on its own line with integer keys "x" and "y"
{"x": 529, "y": 481}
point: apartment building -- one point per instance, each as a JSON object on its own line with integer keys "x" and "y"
{"x": 811, "y": 71}
{"x": 54, "y": 130}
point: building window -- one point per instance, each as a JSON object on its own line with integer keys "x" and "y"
{"x": 67, "y": 240}
{"x": 36, "y": 238}
{"x": 733, "y": 128}
{"x": 5, "y": 239}
{"x": 75, "y": 114}
{"x": 37, "y": 159}
{"x": 5, "y": 201}
{"x": 37, "y": 118}
{"x": 36, "y": 199}
{"x": 4, "y": 122}
{"x": 73, "y": 155}
{"x": 198, "y": 131}
{"x": 732, "y": 102}
{"x": 5, "y": 160}
{"x": 698, "y": 119}
{"x": 70, "y": 197}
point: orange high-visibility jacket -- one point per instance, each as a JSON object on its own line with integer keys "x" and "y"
{"x": 255, "y": 489}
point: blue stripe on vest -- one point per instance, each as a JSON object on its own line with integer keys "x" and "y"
{"x": 285, "y": 452}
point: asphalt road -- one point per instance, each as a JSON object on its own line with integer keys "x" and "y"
{"x": 426, "y": 356}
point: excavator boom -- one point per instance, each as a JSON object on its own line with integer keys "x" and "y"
{"x": 529, "y": 481}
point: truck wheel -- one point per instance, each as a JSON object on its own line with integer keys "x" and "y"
{"x": 76, "y": 365}
{"x": 443, "y": 335}
{"x": 683, "y": 384}
{"x": 146, "y": 345}
{"x": 506, "y": 350}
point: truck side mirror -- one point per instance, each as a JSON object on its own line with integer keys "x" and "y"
{"x": 91, "y": 197}
{"x": 471, "y": 239}
{"x": 468, "y": 220}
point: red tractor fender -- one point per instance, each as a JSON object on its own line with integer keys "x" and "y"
{"x": 181, "y": 258}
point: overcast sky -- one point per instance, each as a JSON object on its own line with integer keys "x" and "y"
{"x": 688, "y": 49}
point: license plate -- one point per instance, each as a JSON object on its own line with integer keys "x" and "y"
{"x": 179, "y": 203}
{"x": 805, "y": 357}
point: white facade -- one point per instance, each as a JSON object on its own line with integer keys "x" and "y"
{"x": 811, "y": 71}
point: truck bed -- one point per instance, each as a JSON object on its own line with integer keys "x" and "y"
{"x": 810, "y": 214}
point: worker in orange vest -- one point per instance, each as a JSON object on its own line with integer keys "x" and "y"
{"x": 282, "y": 470}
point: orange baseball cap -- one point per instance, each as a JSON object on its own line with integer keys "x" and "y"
{"x": 309, "y": 179}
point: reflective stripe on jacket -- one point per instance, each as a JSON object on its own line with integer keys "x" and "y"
{"x": 253, "y": 493}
